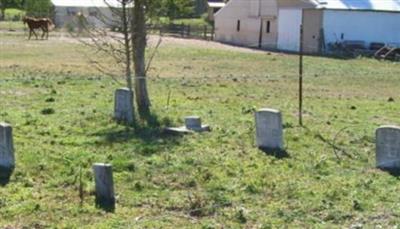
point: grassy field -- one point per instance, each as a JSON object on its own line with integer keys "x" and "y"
{"x": 61, "y": 107}
{"x": 11, "y": 25}
{"x": 13, "y": 20}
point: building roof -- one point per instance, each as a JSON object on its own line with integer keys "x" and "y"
{"x": 86, "y": 3}
{"x": 216, "y": 3}
{"x": 374, "y": 5}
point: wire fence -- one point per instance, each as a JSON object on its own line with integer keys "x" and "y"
{"x": 205, "y": 32}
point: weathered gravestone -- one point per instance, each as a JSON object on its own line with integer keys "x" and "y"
{"x": 7, "y": 160}
{"x": 388, "y": 148}
{"x": 123, "y": 105}
{"x": 104, "y": 184}
{"x": 269, "y": 130}
{"x": 192, "y": 124}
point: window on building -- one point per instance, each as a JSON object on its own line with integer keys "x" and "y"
{"x": 238, "y": 26}
{"x": 268, "y": 29}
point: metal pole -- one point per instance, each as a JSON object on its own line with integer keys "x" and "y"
{"x": 301, "y": 77}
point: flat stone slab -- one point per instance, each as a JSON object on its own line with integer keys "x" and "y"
{"x": 184, "y": 130}
{"x": 192, "y": 125}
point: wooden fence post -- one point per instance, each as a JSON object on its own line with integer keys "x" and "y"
{"x": 205, "y": 32}
{"x": 301, "y": 76}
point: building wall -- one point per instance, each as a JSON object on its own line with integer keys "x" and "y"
{"x": 269, "y": 13}
{"x": 96, "y": 17}
{"x": 211, "y": 11}
{"x": 254, "y": 16}
{"x": 289, "y": 23}
{"x": 366, "y": 26}
{"x": 250, "y": 16}
{"x": 312, "y": 25}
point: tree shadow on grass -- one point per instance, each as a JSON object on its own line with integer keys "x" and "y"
{"x": 150, "y": 132}
{"x": 278, "y": 153}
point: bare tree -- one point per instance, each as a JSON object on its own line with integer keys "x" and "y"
{"x": 106, "y": 43}
{"x": 139, "y": 44}
{"x": 125, "y": 25}
{"x": 127, "y": 50}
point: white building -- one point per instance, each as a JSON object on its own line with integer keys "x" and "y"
{"x": 275, "y": 24}
{"x": 96, "y": 12}
{"x": 213, "y": 6}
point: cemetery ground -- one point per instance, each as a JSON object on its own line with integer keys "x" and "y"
{"x": 61, "y": 110}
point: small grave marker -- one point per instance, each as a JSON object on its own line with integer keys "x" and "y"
{"x": 192, "y": 124}
{"x": 7, "y": 159}
{"x": 269, "y": 130}
{"x": 103, "y": 177}
{"x": 123, "y": 105}
{"x": 388, "y": 147}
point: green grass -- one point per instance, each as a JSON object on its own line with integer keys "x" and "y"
{"x": 13, "y": 20}
{"x": 187, "y": 21}
{"x": 211, "y": 180}
{"x": 192, "y": 21}
{"x": 11, "y": 25}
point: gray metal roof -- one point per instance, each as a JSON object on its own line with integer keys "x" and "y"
{"x": 86, "y": 3}
{"x": 374, "y": 5}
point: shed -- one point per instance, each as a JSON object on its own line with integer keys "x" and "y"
{"x": 213, "y": 7}
{"x": 275, "y": 24}
{"x": 96, "y": 12}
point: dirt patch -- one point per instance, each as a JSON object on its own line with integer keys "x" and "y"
{"x": 200, "y": 43}
{"x": 61, "y": 37}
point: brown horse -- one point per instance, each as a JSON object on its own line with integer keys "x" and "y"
{"x": 45, "y": 24}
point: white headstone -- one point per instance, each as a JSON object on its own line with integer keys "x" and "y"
{"x": 269, "y": 129}
{"x": 388, "y": 147}
{"x": 103, "y": 177}
{"x": 123, "y": 105}
{"x": 7, "y": 160}
{"x": 193, "y": 122}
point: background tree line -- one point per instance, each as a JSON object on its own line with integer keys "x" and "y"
{"x": 159, "y": 8}
{"x": 37, "y": 8}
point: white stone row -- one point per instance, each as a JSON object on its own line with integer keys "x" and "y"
{"x": 269, "y": 135}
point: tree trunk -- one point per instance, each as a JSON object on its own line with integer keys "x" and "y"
{"x": 139, "y": 44}
{"x": 127, "y": 47}
{"x": 3, "y": 14}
